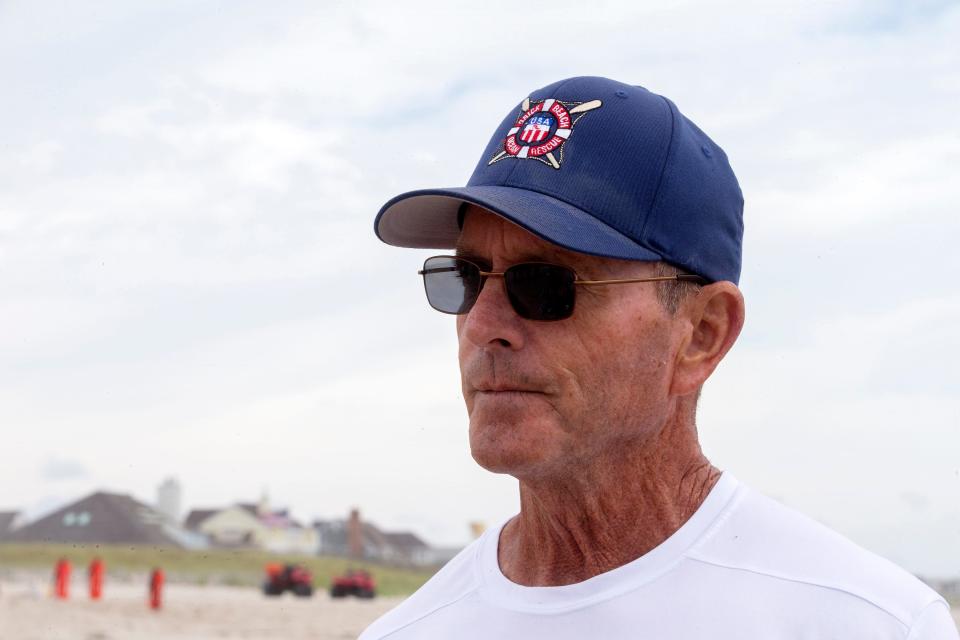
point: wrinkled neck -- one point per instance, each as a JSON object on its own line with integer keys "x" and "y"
{"x": 616, "y": 509}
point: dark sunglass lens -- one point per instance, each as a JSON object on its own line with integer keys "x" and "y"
{"x": 541, "y": 291}
{"x": 452, "y": 284}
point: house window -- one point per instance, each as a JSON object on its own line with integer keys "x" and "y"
{"x": 81, "y": 519}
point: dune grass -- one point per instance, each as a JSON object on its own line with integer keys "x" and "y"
{"x": 213, "y": 566}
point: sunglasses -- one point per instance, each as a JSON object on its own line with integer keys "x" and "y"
{"x": 536, "y": 290}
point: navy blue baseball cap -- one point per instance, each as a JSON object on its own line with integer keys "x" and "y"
{"x": 598, "y": 167}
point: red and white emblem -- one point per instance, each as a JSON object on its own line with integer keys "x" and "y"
{"x": 536, "y": 129}
{"x": 541, "y": 129}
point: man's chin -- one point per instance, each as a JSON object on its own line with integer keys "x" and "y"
{"x": 516, "y": 466}
{"x": 513, "y": 449}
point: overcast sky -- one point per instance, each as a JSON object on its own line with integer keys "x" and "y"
{"x": 190, "y": 285}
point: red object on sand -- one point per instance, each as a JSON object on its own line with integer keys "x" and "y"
{"x": 291, "y": 577}
{"x": 95, "y": 574}
{"x": 357, "y": 583}
{"x": 156, "y": 589}
{"x": 61, "y": 578}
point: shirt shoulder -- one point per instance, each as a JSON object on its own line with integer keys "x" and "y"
{"x": 760, "y": 535}
{"x": 454, "y": 581}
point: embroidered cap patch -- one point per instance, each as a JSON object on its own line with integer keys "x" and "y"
{"x": 541, "y": 129}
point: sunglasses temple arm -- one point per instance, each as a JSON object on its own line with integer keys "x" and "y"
{"x": 679, "y": 277}
{"x": 423, "y": 272}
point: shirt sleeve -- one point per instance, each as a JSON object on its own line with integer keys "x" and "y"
{"x": 934, "y": 623}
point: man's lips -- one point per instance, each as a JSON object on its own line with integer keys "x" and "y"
{"x": 495, "y": 390}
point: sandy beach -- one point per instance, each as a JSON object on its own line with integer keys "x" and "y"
{"x": 28, "y": 613}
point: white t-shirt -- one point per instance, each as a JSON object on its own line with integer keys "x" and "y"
{"x": 743, "y": 566}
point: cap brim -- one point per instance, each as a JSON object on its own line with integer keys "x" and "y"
{"x": 427, "y": 219}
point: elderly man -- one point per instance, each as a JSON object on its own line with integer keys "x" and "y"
{"x": 597, "y": 254}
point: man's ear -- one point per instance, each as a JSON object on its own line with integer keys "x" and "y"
{"x": 712, "y": 321}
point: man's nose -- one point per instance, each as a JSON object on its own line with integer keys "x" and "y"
{"x": 492, "y": 320}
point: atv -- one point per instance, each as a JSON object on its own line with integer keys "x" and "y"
{"x": 357, "y": 583}
{"x": 290, "y": 577}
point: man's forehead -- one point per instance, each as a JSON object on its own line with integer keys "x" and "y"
{"x": 484, "y": 232}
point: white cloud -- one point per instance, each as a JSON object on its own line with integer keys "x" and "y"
{"x": 903, "y": 179}
{"x": 57, "y": 469}
{"x": 257, "y": 151}
{"x": 42, "y": 156}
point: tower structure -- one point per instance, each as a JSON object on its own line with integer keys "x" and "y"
{"x": 169, "y": 497}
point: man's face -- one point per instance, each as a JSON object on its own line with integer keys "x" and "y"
{"x": 550, "y": 397}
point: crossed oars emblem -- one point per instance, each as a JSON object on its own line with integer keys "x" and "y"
{"x": 525, "y": 106}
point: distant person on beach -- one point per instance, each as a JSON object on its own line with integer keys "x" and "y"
{"x": 155, "y": 588}
{"x": 95, "y": 576}
{"x": 596, "y": 256}
{"x": 61, "y": 579}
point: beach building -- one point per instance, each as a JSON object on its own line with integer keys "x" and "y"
{"x": 355, "y": 538}
{"x": 169, "y": 497}
{"x": 106, "y": 518}
{"x": 256, "y": 526}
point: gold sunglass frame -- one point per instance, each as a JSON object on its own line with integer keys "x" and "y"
{"x": 680, "y": 277}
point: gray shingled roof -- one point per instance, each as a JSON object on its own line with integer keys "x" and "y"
{"x": 405, "y": 541}
{"x": 197, "y": 516}
{"x": 334, "y": 538}
{"x": 101, "y": 518}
